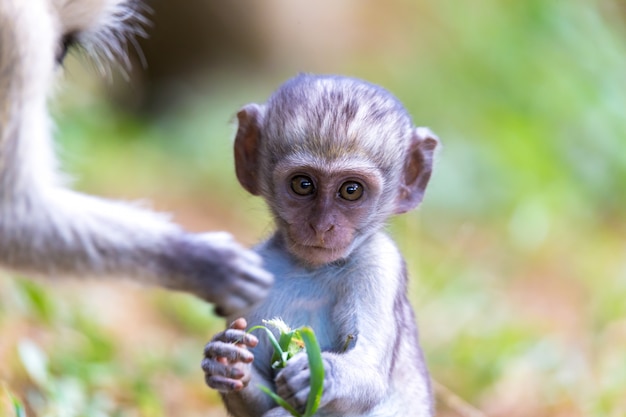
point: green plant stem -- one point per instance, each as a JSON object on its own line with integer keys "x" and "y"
{"x": 284, "y": 404}
{"x": 316, "y": 367}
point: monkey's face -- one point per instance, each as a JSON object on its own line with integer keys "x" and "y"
{"x": 333, "y": 157}
{"x": 323, "y": 207}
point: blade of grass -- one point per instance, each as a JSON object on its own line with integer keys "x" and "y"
{"x": 284, "y": 404}
{"x": 316, "y": 365}
{"x": 285, "y": 339}
{"x": 277, "y": 349}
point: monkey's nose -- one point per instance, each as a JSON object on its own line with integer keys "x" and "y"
{"x": 321, "y": 231}
{"x": 321, "y": 228}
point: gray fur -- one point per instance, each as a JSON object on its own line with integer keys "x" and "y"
{"x": 332, "y": 127}
{"x": 383, "y": 374}
{"x": 330, "y": 117}
{"x": 46, "y": 229}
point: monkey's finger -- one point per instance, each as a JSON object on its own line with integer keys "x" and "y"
{"x": 295, "y": 401}
{"x": 241, "y": 296}
{"x": 253, "y": 281}
{"x": 236, "y": 336}
{"x": 297, "y": 365}
{"x": 293, "y": 380}
{"x": 247, "y": 256}
{"x": 229, "y": 335}
{"x": 294, "y": 390}
{"x": 239, "y": 324}
{"x": 234, "y": 304}
{"x": 219, "y": 237}
{"x": 254, "y": 274}
{"x": 236, "y": 263}
{"x": 231, "y": 352}
{"x": 228, "y": 243}
{"x": 250, "y": 257}
{"x": 299, "y": 400}
{"x": 222, "y": 384}
{"x": 248, "y": 285}
{"x": 216, "y": 368}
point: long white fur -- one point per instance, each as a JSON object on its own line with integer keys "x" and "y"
{"x": 50, "y": 230}
{"x": 33, "y": 201}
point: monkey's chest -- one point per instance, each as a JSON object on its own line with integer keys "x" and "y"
{"x": 302, "y": 303}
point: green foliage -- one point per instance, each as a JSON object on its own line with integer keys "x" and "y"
{"x": 37, "y": 300}
{"x": 516, "y": 255}
{"x": 527, "y": 102}
{"x": 187, "y": 313}
{"x": 289, "y": 343}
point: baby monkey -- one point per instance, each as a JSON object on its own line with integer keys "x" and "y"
{"x": 333, "y": 157}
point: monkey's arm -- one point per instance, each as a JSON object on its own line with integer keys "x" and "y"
{"x": 46, "y": 229}
{"x": 354, "y": 382}
{"x": 59, "y": 232}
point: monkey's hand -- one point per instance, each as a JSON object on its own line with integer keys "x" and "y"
{"x": 216, "y": 268}
{"x": 227, "y": 360}
{"x": 293, "y": 381}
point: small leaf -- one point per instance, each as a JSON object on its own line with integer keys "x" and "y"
{"x": 39, "y": 301}
{"x": 277, "y": 349}
{"x": 296, "y": 345}
{"x": 284, "y": 341}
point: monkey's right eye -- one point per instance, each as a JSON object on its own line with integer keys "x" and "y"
{"x": 302, "y": 185}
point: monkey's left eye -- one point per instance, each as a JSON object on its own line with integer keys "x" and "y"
{"x": 351, "y": 191}
{"x": 302, "y": 185}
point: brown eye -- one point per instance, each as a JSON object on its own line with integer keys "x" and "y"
{"x": 302, "y": 185}
{"x": 351, "y": 191}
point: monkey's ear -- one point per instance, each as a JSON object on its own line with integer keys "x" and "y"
{"x": 250, "y": 119}
{"x": 417, "y": 169}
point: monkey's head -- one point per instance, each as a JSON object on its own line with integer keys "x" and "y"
{"x": 333, "y": 157}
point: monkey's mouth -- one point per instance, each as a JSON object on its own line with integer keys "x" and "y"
{"x": 317, "y": 255}
{"x": 312, "y": 251}
{"x": 317, "y": 247}
{"x": 321, "y": 248}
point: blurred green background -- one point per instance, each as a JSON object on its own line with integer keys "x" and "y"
{"x": 517, "y": 255}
